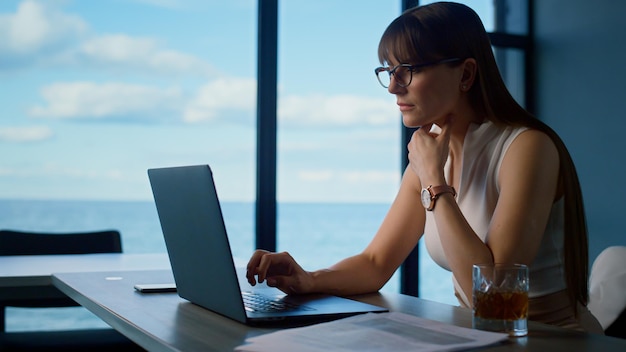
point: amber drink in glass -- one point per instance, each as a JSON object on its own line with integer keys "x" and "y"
{"x": 500, "y": 297}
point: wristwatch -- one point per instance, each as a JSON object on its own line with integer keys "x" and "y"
{"x": 431, "y": 193}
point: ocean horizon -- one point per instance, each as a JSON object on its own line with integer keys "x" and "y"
{"x": 316, "y": 234}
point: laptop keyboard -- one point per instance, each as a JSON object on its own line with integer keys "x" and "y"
{"x": 255, "y": 302}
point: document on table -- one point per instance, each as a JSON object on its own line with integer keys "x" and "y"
{"x": 391, "y": 331}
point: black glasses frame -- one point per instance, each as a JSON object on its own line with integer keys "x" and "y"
{"x": 411, "y": 68}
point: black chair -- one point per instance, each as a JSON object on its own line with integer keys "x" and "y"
{"x": 618, "y": 327}
{"x": 31, "y": 243}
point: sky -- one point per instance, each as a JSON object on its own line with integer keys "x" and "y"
{"x": 93, "y": 93}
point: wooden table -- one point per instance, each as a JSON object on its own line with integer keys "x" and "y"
{"x": 166, "y": 322}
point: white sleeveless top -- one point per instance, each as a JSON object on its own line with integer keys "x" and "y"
{"x": 483, "y": 151}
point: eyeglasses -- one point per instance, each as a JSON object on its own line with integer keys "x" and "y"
{"x": 403, "y": 73}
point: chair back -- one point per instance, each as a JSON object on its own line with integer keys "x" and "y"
{"x": 607, "y": 287}
{"x": 32, "y": 243}
{"x": 35, "y": 243}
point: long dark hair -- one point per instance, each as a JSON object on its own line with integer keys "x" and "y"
{"x": 449, "y": 30}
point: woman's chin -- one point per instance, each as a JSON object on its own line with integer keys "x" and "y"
{"x": 414, "y": 123}
{"x": 410, "y": 122}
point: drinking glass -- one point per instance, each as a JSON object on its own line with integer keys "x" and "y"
{"x": 500, "y": 296}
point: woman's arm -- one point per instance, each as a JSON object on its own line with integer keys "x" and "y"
{"x": 528, "y": 185}
{"x": 365, "y": 272}
{"x": 398, "y": 234}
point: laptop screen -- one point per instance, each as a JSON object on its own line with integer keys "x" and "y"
{"x": 196, "y": 239}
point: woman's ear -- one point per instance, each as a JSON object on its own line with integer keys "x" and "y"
{"x": 469, "y": 74}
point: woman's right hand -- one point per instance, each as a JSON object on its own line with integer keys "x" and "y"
{"x": 280, "y": 270}
{"x": 428, "y": 153}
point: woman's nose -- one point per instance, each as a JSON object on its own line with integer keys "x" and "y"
{"x": 394, "y": 87}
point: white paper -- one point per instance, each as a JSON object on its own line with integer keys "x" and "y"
{"x": 386, "y": 332}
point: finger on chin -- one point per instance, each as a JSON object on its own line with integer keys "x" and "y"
{"x": 435, "y": 130}
{"x": 426, "y": 128}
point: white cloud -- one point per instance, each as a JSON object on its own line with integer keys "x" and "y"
{"x": 221, "y": 100}
{"x": 90, "y": 100}
{"x": 230, "y": 100}
{"x": 122, "y": 51}
{"x": 39, "y": 33}
{"x": 336, "y": 110}
{"x": 35, "y": 27}
{"x": 239, "y": 94}
{"x": 25, "y": 134}
{"x": 232, "y": 94}
{"x": 117, "y": 48}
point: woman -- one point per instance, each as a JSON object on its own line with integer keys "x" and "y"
{"x": 493, "y": 185}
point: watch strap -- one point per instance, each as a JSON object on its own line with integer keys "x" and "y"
{"x": 436, "y": 191}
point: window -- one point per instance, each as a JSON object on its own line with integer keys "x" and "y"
{"x": 338, "y": 150}
{"x": 484, "y": 9}
{"x": 95, "y": 93}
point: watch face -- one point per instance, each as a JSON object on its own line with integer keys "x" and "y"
{"x": 426, "y": 198}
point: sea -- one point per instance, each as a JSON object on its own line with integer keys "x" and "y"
{"x": 316, "y": 234}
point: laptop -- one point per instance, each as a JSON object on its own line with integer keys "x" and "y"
{"x": 203, "y": 265}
